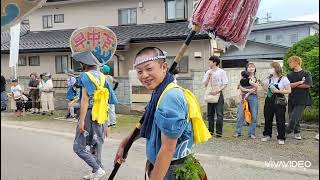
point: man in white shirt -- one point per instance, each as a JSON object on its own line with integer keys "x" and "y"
{"x": 218, "y": 80}
{"x": 16, "y": 94}
{"x": 47, "y": 99}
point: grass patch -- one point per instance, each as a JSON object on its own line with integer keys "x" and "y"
{"x": 127, "y": 120}
{"x": 125, "y": 123}
{"x": 32, "y": 117}
{"x": 310, "y": 115}
{"x": 229, "y": 129}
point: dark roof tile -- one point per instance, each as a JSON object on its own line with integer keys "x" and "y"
{"x": 59, "y": 39}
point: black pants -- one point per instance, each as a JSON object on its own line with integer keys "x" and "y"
{"x": 271, "y": 109}
{"x": 295, "y": 114}
{"x": 19, "y": 104}
{"x": 216, "y": 108}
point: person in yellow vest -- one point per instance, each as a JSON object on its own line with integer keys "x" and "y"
{"x": 168, "y": 132}
{"x": 96, "y": 94}
{"x": 112, "y": 110}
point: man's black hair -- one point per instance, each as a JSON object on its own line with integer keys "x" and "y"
{"x": 155, "y": 50}
{"x": 215, "y": 59}
{"x": 245, "y": 74}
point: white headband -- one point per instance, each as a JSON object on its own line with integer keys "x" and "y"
{"x": 148, "y": 59}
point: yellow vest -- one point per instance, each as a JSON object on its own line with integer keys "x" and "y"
{"x": 201, "y": 133}
{"x": 100, "y": 100}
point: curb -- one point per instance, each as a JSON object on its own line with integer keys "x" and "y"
{"x": 307, "y": 127}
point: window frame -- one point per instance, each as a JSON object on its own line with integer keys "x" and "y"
{"x": 127, "y": 9}
{"x": 29, "y": 61}
{"x": 270, "y": 37}
{"x": 25, "y": 60}
{"x": 57, "y": 15}
{"x": 61, "y": 58}
{"x": 43, "y": 24}
{"x": 177, "y": 19}
{"x": 73, "y": 65}
{"x": 280, "y": 37}
{"x": 178, "y": 65}
{"x": 295, "y": 35}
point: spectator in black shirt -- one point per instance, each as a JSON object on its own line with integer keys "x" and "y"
{"x": 34, "y": 92}
{"x": 299, "y": 98}
{"x": 3, "y": 94}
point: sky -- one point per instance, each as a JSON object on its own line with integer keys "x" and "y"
{"x": 300, "y": 10}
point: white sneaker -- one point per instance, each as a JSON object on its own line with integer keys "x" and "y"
{"x": 252, "y": 136}
{"x": 99, "y": 174}
{"x": 317, "y": 137}
{"x": 281, "y": 142}
{"x": 265, "y": 138}
{"x": 236, "y": 135}
{"x": 88, "y": 177}
{"x": 297, "y": 136}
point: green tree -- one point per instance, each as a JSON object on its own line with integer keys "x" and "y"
{"x": 311, "y": 64}
{"x": 299, "y": 48}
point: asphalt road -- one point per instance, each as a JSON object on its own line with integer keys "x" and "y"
{"x": 29, "y": 154}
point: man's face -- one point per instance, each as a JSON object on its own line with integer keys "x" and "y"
{"x": 33, "y": 77}
{"x": 211, "y": 64}
{"x": 293, "y": 64}
{"x": 151, "y": 73}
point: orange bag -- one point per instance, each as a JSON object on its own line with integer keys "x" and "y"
{"x": 246, "y": 111}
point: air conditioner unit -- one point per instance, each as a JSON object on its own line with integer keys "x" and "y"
{"x": 197, "y": 54}
{"x": 140, "y": 4}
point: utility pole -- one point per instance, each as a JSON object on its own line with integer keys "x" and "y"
{"x": 268, "y": 17}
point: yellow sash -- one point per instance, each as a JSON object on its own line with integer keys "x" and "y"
{"x": 201, "y": 133}
{"x": 100, "y": 100}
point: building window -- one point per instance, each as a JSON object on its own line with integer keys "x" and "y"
{"x": 34, "y": 61}
{"x": 61, "y": 64}
{"x": 58, "y": 18}
{"x": 127, "y": 16}
{"x": 47, "y": 21}
{"x": 75, "y": 65}
{"x": 293, "y": 38}
{"x": 280, "y": 38}
{"x": 22, "y": 61}
{"x": 268, "y": 37}
{"x": 239, "y": 63}
{"x": 176, "y": 10}
{"x": 183, "y": 66}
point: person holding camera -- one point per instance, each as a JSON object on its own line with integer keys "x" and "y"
{"x": 277, "y": 85}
